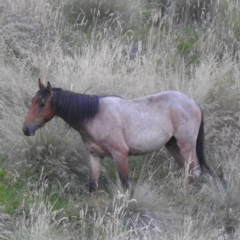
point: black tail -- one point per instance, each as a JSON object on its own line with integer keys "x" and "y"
{"x": 200, "y": 146}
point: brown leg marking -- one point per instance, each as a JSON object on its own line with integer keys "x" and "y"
{"x": 121, "y": 161}
{"x": 95, "y": 167}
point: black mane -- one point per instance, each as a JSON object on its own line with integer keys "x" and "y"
{"x": 75, "y": 108}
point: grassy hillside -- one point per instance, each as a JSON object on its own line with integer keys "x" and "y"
{"x": 130, "y": 48}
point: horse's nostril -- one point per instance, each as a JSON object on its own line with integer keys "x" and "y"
{"x": 26, "y": 131}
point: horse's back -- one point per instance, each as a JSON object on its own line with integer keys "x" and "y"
{"x": 168, "y": 106}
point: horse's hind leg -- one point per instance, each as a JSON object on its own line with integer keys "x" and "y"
{"x": 173, "y": 149}
{"x": 188, "y": 152}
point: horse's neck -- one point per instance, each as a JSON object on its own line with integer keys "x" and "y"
{"x": 60, "y": 113}
{"x": 75, "y": 109}
{"x": 61, "y": 105}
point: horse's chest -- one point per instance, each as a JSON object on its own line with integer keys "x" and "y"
{"x": 96, "y": 149}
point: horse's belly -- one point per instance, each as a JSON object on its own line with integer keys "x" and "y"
{"x": 146, "y": 144}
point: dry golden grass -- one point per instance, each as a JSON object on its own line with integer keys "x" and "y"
{"x": 138, "y": 56}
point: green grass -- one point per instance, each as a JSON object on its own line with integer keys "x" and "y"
{"x": 11, "y": 194}
{"x": 16, "y": 193}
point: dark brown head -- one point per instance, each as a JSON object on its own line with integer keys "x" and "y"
{"x": 41, "y": 110}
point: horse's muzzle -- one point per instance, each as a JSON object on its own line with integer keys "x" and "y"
{"x": 28, "y": 131}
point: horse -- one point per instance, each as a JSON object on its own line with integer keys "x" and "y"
{"x": 111, "y": 126}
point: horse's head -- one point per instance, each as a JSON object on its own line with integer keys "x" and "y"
{"x": 41, "y": 110}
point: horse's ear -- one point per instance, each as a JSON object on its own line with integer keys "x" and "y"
{"x": 49, "y": 87}
{"x": 40, "y": 84}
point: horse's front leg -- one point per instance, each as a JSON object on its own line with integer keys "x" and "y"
{"x": 95, "y": 167}
{"x": 121, "y": 161}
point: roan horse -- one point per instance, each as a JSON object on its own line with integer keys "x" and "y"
{"x": 113, "y": 127}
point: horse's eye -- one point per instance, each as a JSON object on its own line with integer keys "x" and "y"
{"x": 42, "y": 105}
